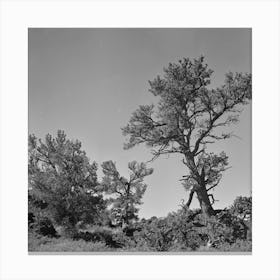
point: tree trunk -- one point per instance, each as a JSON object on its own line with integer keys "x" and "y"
{"x": 204, "y": 202}
{"x": 200, "y": 190}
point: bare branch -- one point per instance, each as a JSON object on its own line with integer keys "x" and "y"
{"x": 213, "y": 199}
{"x": 213, "y": 186}
{"x": 190, "y": 199}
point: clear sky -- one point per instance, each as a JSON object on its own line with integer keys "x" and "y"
{"x": 87, "y": 82}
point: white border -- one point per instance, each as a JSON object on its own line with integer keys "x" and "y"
{"x": 16, "y": 17}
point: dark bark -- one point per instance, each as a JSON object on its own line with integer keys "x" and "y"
{"x": 190, "y": 199}
{"x": 200, "y": 189}
{"x": 126, "y": 217}
{"x": 204, "y": 201}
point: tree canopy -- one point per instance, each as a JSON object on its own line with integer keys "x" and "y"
{"x": 188, "y": 116}
{"x": 61, "y": 176}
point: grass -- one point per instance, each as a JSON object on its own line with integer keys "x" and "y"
{"x": 45, "y": 244}
{"x": 37, "y": 243}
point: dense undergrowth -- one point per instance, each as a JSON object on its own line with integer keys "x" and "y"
{"x": 182, "y": 231}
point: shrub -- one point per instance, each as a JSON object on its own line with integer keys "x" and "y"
{"x": 184, "y": 230}
{"x": 99, "y": 234}
{"x": 45, "y": 227}
{"x": 123, "y": 241}
{"x": 31, "y": 219}
{"x": 223, "y": 230}
{"x": 41, "y": 225}
{"x": 242, "y": 207}
{"x": 155, "y": 234}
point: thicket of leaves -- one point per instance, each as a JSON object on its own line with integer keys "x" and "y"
{"x": 62, "y": 183}
{"x": 178, "y": 231}
{"x": 190, "y": 231}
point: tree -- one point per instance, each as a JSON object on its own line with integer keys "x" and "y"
{"x": 125, "y": 194}
{"x": 61, "y": 176}
{"x": 188, "y": 117}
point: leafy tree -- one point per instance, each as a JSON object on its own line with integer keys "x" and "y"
{"x": 125, "y": 194}
{"x": 63, "y": 179}
{"x": 188, "y": 116}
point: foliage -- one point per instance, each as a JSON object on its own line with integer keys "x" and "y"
{"x": 155, "y": 234}
{"x": 188, "y": 117}
{"x": 174, "y": 232}
{"x": 125, "y": 194}
{"x": 38, "y": 221}
{"x": 181, "y": 231}
{"x": 44, "y": 226}
{"x": 224, "y": 228}
{"x": 101, "y": 234}
{"x": 190, "y": 230}
{"x": 62, "y": 179}
{"x": 242, "y": 206}
{"x": 124, "y": 241}
{"x": 67, "y": 211}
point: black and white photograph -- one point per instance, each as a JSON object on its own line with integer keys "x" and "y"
{"x": 139, "y": 140}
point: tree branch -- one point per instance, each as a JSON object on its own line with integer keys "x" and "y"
{"x": 212, "y": 187}
{"x": 213, "y": 199}
{"x": 190, "y": 199}
{"x": 204, "y": 134}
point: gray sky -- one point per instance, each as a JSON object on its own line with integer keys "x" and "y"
{"x": 89, "y": 81}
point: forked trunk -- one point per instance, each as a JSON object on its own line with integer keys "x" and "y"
{"x": 204, "y": 202}
{"x": 200, "y": 190}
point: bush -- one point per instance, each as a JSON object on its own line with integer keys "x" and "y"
{"x": 155, "y": 234}
{"x": 31, "y": 219}
{"x": 123, "y": 241}
{"x": 223, "y": 230}
{"x": 99, "y": 234}
{"x": 41, "y": 225}
{"x": 242, "y": 207}
{"x": 181, "y": 231}
{"x": 190, "y": 230}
